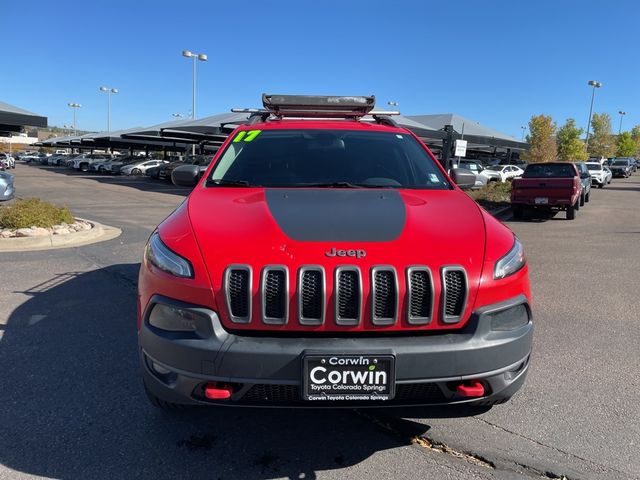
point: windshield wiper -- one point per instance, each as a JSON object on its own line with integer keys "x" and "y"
{"x": 229, "y": 183}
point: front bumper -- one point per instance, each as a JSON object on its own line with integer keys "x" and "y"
{"x": 267, "y": 371}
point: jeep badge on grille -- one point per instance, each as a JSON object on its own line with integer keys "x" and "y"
{"x": 334, "y": 252}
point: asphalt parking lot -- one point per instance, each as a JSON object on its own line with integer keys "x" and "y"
{"x": 73, "y": 404}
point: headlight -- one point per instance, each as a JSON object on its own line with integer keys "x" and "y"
{"x": 159, "y": 255}
{"x": 512, "y": 262}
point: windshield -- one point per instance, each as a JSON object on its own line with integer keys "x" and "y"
{"x": 495, "y": 168}
{"x": 326, "y": 158}
{"x": 620, "y": 163}
{"x": 594, "y": 167}
{"x": 538, "y": 170}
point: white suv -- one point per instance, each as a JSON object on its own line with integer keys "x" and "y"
{"x": 600, "y": 175}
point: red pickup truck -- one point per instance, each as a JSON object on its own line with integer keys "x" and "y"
{"x": 547, "y": 187}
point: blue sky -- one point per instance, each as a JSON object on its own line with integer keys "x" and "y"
{"x": 497, "y": 62}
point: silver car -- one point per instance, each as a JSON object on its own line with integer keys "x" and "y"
{"x": 6, "y": 186}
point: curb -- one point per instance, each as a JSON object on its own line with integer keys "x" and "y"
{"x": 98, "y": 233}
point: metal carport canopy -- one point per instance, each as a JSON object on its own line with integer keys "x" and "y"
{"x": 215, "y": 127}
{"x": 12, "y": 119}
{"x": 153, "y": 133}
{"x": 115, "y": 140}
{"x": 474, "y": 132}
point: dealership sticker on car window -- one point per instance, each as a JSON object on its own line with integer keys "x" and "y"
{"x": 247, "y": 136}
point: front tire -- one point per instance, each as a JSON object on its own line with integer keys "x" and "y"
{"x": 586, "y": 197}
{"x": 582, "y": 200}
{"x": 601, "y": 185}
{"x": 84, "y": 167}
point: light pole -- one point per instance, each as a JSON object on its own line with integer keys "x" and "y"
{"x": 524, "y": 129}
{"x": 622, "y": 114}
{"x": 194, "y": 56}
{"x": 595, "y": 85}
{"x": 74, "y": 106}
{"x": 108, "y": 91}
{"x": 67, "y": 128}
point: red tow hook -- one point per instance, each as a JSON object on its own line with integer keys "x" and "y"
{"x": 213, "y": 391}
{"x": 471, "y": 388}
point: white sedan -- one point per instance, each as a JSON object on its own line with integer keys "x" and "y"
{"x": 501, "y": 173}
{"x": 139, "y": 168}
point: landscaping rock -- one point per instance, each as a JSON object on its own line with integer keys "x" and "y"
{"x": 41, "y": 232}
{"x": 60, "y": 231}
{"x": 24, "y": 232}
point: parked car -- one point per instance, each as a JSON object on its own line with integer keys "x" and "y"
{"x": 290, "y": 276}
{"x": 547, "y": 187}
{"x": 600, "y": 174}
{"x": 83, "y": 162}
{"x": 101, "y": 165}
{"x": 620, "y": 167}
{"x": 7, "y": 160}
{"x": 139, "y": 168}
{"x": 31, "y": 157}
{"x": 199, "y": 160}
{"x": 585, "y": 180}
{"x": 501, "y": 173}
{"x": 6, "y": 186}
{"x": 476, "y": 168}
{"x": 57, "y": 159}
{"x": 114, "y": 166}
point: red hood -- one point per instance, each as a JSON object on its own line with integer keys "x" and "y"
{"x": 258, "y": 227}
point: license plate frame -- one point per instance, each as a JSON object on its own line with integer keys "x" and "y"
{"x": 373, "y": 377}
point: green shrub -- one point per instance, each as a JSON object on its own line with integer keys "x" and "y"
{"x": 33, "y": 212}
{"x": 493, "y": 194}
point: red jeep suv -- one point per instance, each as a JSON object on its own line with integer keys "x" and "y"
{"x": 326, "y": 259}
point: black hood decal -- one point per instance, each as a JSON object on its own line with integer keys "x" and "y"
{"x": 337, "y": 215}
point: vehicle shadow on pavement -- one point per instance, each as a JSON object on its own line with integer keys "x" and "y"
{"x": 73, "y": 405}
{"x": 140, "y": 182}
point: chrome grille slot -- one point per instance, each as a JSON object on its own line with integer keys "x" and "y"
{"x": 384, "y": 295}
{"x": 348, "y": 296}
{"x": 311, "y": 295}
{"x": 454, "y": 293}
{"x": 419, "y": 295}
{"x": 237, "y": 288}
{"x": 275, "y": 295}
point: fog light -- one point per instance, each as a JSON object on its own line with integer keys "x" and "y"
{"x": 509, "y": 319}
{"x": 175, "y": 319}
{"x": 160, "y": 369}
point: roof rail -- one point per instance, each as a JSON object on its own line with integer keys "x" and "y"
{"x": 318, "y": 105}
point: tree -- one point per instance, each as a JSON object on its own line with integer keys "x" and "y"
{"x": 635, "y": 134}
{"x": 570, "y": 146}
{"x": 625, "y": 146}
{"x": 601, "y": 142}
{"x": 541, "y": 138}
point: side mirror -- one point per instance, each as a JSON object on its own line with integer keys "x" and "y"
{"x": 185, "y": 175}
{"x": 464, "y": 178}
